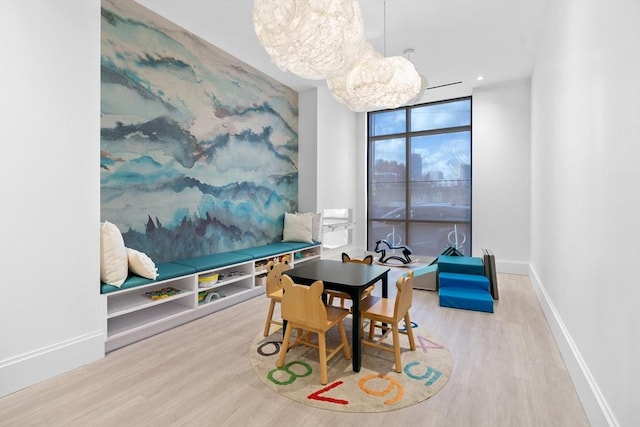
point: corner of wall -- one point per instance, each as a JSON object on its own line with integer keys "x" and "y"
{"x": 593, "y": 401}
{"x": 308, "y": 150}
{"x": 38, "y": 365}
{"x": 520, "y": 268}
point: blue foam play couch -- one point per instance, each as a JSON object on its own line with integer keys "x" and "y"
{"x": 465, "y": 291}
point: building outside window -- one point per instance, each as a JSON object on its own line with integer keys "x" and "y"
{"x": 419, "y": 177}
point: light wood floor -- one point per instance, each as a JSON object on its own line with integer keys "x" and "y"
{"x": 507, "y": 372}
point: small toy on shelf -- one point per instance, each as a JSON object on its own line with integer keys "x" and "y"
{"x": 211, "y": 296}
{"x": 201, "y": 296}
{"x": 162, "y": 293}
{"x": 207, "y": 280}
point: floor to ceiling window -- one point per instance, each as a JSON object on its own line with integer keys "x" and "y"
{"x": 419, "y": 177}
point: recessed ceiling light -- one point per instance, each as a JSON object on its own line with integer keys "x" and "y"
{"x": 480, "y": 78}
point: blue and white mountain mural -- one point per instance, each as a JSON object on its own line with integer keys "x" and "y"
{"x": 199, "y": 151}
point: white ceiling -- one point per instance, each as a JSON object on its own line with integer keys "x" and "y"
{"x": 454, "y": 40}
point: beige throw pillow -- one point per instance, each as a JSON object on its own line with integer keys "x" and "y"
{"x": 141, "y": 264}
{"x": 114, "y": 265}
{"x": 315, "y": 225}
{"x": 297, "y": 228}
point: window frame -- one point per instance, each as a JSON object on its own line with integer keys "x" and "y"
{"x": 407, "y": 135}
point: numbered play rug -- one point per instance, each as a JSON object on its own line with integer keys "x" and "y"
{"x": 376, "y": 388}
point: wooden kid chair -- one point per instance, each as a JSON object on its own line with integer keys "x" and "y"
{"x": 386, "y": 314}
{"x": 303, "y": 309}
{"x": 274, "y": 290}
{"x": 344, "y": 296}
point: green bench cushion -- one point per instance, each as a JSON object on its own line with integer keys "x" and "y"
{"x": 265, "y": 251}
{"x": 188, "y": 266}
{"x": 165, "y": 271}
{"x": 209, "y": 262}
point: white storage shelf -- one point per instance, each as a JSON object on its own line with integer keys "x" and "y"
{"x": 225, "y": 292}
{"x": 131, "y": 315}
{"x": 124, "y": 302}
{"x": 228, "y": 275}
{"x": 307, "y": 254}
{"x": 232, "y": 280}
{"x": 136, "y": 320}
{"x": 295, "y": 257}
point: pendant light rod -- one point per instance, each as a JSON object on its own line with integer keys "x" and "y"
{"x": 384, "y": 28}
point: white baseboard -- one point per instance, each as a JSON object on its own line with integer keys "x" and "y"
{"x": 512, "y": 267}
{"x": 593, "y": 402}
{"x": 31, "y": 368}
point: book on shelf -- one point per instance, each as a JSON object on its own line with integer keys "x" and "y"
{"x": 162, "y": 293}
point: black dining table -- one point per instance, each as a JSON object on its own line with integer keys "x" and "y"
{"x": 351, "y": 278}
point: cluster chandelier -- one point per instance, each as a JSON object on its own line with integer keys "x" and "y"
{"x": 324, "y": 39}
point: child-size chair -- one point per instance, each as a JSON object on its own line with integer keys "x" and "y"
{"x": 303, "y": 309}
{"x": 386, "y": 314}
{"x": 274, "y": 290}
{"x": 343, "y": 296}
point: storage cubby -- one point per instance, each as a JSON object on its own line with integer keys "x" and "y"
{"x": 307, "y": 254}
{"x": 232, "y": 280}
{"x": 135, "y": 320}
{"x": 261, "y": 264}
{"x": 135, "y": 299}
{"x": 139, "y": 312}
{"x": 130, "y": 312}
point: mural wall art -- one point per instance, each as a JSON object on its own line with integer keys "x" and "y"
{"x": 199, "y": 151}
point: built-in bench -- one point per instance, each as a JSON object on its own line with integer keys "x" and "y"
{"x": 184, "y": 267}
{"x": 136, "y": 311}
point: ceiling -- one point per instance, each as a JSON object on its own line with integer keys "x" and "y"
{"x": 453, "y": 40}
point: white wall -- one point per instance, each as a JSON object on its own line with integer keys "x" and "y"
{"x": 344, "y": 181}
{"x": 360, "y": 213}
{"x": 500, "y": 156}
{"x": 308, "y": 151}
{"x": 336, "y": 153}
{"x": 51, "y": 312}
{"x": 585, "y": 198}
{"x": 337, "y": 163}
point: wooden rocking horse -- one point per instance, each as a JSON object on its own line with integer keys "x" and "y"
{"x": 405, "y": 259}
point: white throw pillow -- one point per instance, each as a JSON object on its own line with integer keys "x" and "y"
{"x": 114, "y": 265}
{"x": 315, "y": 225}
{"x": 297, "y": 228}
{"x": 141, "y": 264}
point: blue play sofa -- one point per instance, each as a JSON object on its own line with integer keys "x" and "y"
{"x": 462, "y": 284}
